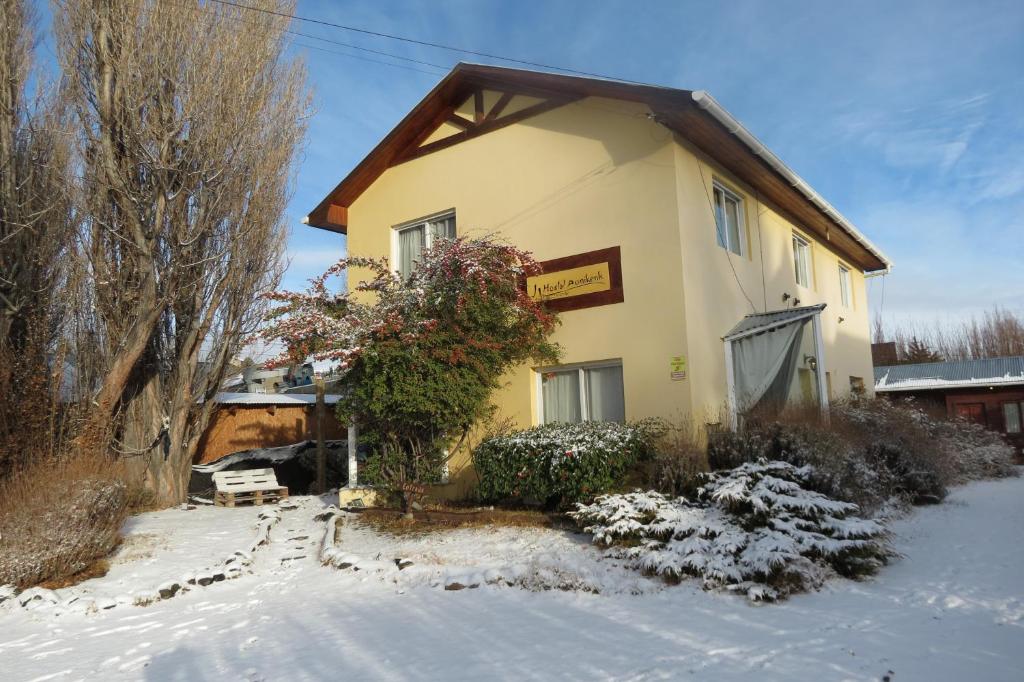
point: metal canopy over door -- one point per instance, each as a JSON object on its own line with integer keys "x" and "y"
{"x": 762, "y": 354}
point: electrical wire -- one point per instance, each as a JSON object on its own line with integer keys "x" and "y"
{"x": 433, "y": 74}
{"x": 424, "y": 43}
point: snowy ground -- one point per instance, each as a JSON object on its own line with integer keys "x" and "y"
{"x": 951, "y": 609}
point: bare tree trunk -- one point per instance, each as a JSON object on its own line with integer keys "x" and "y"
{"x": 190, "y": 117}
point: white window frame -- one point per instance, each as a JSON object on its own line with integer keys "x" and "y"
{"x": 582, "y": 368}
{"x": 804, "y": 243}
{"x": 417, "y": 224}
{"x": 845, "y": 286}
{"x": 741, "y": 227}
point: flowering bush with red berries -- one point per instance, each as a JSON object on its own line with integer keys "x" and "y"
{"x": 561, "y": 464}
{"x": 421, "y": 355}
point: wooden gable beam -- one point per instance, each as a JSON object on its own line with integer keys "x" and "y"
{"x": 484, "y": 128}
{"x": 499, "y": 106}
{"x": 478, "y": 106}
{"x": 460, "y": 121}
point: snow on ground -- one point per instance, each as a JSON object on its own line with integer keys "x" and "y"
{"x": 951, "y": 609}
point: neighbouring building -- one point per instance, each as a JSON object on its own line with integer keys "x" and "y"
{"x": 988, "y": 391}
{"x": 696, "y": 275}
{"x": 244, "y": 421}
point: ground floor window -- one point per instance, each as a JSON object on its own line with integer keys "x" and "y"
{"x": 588, "y": 392}
{"x": 1012, "y": 416}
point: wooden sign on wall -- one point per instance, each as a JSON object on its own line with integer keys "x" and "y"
{"x": 582, "y": 281}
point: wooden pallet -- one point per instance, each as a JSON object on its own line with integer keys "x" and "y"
{"x": 255, "y": 497}
{"x": 247, "y": 486}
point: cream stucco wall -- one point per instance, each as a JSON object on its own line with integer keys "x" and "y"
{"x": 599, "y": 173}
{"x": 721, "y": 287}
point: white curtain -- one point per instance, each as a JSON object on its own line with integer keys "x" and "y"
{"x": 410, "y": 246}
{"x": 604, "y": 394}
{"x": 444, "y": 228}
{"x": 561, "y": 397}
{"x": 764, "y": 365}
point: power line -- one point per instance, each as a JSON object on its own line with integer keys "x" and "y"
{"x": 366, "y": 49}
{"x": 444, "y": 69}
{"x": 367, "y": 59}
{"x": 414, "y": 41}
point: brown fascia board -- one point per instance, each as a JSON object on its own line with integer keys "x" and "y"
{"x": 673, "y": 108}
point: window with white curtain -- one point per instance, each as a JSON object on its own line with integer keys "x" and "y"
{"x": 591, "y": 392}
{"x": 729, "y": 220}
{"x": 802, "y": 260}
{"x": 1012, "y": 413}
{"x": 845, "y": 286}
{"x": 412, "y": 239}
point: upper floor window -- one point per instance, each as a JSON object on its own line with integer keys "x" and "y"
{"x": 591, "y": 392}
{"x": 845, "y": 286}
{"x": 729, "y": 220}
{"x": 412, "y": 239}
{"x": 802, "y": 260}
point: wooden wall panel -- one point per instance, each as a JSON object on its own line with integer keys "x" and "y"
{"x": 243, "y": 427}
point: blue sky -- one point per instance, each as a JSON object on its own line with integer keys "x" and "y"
{"x": 908, "y": 116}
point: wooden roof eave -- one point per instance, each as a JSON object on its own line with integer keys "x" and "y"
{"x": 713, "y": 139}
{"x": 675, "y": 109}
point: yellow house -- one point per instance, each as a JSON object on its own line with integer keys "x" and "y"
{"x": 695, "y": 273}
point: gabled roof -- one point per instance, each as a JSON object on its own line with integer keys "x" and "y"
{"x": 758, "y": 323}
{"x": 958, "y": 373}
{"x": 693, "y": 116}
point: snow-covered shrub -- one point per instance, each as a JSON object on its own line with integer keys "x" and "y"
{"x": 871, "y": 451}
{"x": 754, "y": 529}
{"x": 421, "y": 354}
{"x": 58, "y": 518}
{"x": 560, "y": 463}
{"x": 976, "y": 452}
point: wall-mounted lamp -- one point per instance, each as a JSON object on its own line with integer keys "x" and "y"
{"x": 811, "y": 362}
{"x": 785, "y": 297}
{"x": 796, "y": 302}
{"x": 841, "y": 320}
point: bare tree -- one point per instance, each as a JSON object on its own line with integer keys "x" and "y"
{"x": 998, "y": 333}
{"x": 35, "y": 215}
{"x": 37, "y": 231}
{"x": 190, "y": 117}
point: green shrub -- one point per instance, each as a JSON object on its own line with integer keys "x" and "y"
{"x": 561, "y": 464}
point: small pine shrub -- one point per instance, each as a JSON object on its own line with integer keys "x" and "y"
{"x": 560, "y": 464}
{"x": 754, "y": 529}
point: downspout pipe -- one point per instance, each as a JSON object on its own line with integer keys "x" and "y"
{"x": 708, "y": 103}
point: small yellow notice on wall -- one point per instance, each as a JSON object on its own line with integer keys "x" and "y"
{"x": 678, "y": 367}
{"x": 586, "y": 279}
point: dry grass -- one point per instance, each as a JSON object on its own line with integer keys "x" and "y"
{"x": 96, "y": 569}
{"x": 58, "y": 516}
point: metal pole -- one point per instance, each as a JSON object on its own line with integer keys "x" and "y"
{"x": 819, "y": 352}
{"x": 321, "y": 450}
{"x": 353, "y": 469}
{"x": 730, "y": 388}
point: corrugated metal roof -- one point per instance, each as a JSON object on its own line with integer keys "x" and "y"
{"x": 935, "y": 375}
{"x": 762, "y": 322}
{"x": 271, "y": 399}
